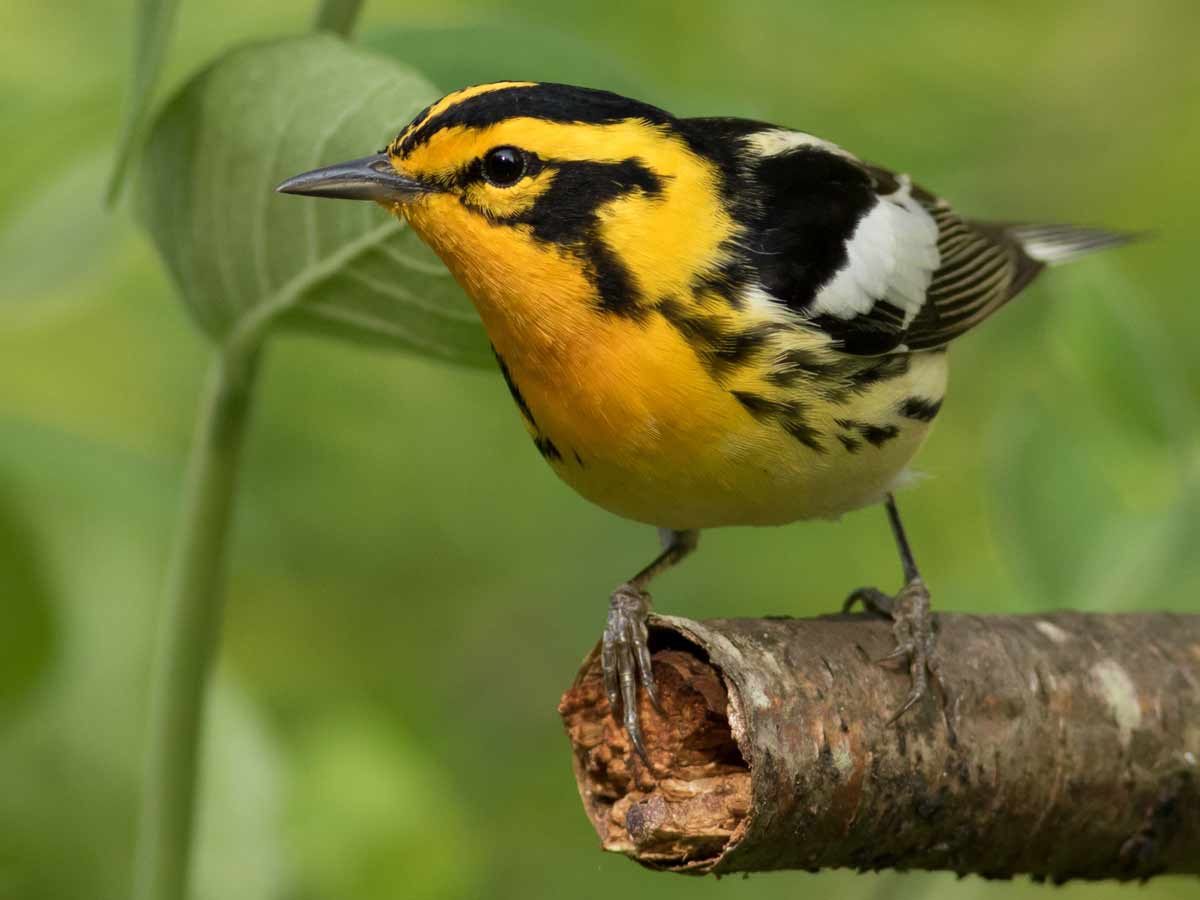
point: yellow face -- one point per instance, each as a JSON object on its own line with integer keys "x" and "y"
{"x": 546, "y": 219}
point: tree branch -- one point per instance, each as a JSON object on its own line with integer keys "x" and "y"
{"x": 1077, "y": 753}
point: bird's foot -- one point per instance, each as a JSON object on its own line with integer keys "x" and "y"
{"x": 625, "y": 658}
{"x": 912, "y": 624}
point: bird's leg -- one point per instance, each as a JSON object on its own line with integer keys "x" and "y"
{"x": 911, "y": 620}
{"x": 624, "y": 655}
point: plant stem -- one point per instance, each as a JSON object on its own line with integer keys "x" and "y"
{"x": 190, "y": 630}
{"x": 337, "y": 16}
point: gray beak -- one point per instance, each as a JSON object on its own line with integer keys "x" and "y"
{"x": 368, "y": 178}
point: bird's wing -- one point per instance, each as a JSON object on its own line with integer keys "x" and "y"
{"x": 875, "y": 261}
{"x": 980, "y": 268}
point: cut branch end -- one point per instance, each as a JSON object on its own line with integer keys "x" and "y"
{"x": 685, "y": 811}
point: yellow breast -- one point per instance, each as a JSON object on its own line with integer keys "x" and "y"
{"x": 629, "y": 414}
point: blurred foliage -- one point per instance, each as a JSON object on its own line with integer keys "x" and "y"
{"x": 243, "y": 256}
{"x": 476, "y": 54}
{"x": 54, "y": 217}
{"x": 27, "y": 639}
{"x": 410, "y": 587}
{"x": 390, "y": 802}
{"x": 154, "y": 22}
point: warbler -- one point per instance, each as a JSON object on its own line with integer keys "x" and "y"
{"x": 703, "y": 321}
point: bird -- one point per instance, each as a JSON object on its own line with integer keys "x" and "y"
{"x": 703, "y": 322}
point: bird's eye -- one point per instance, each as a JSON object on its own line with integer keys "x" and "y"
{"x": 504, "y": 166}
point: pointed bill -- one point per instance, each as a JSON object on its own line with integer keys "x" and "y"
{"x": 367, "y": 178}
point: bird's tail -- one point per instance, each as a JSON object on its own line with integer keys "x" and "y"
{"x": 1054, "y": 244}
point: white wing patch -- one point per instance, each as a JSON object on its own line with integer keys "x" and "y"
{"x": 891, "y": 256}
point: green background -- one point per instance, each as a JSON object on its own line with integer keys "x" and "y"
{"x": 410, "y": 588}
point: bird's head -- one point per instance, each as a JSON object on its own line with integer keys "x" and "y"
{"x": 541, "y": 196}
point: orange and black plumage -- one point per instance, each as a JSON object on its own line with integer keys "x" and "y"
{"x": 703, "y": 322}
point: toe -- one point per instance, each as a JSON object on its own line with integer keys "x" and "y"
{"x": 902, "y": 652}
{"x": 640, "y": 638}
{"x": 913, "y": 698}
{"x": 634, "y": 728}
{"x": 913, "y": 630}
{"x": 629, "y": 705}
{"x": 625, "y": 658}
{"x": 608, "y": 664}
{"x": 852, "y": 598}
{"x": 872, "y": 599}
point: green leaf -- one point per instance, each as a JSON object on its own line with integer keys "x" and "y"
{"x": 458, "y": 56}
{"x": 54, "y": 243}
{"x": 152, "y": 35}
{"x": 244, "y": 257}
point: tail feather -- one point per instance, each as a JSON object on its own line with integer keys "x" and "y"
{"x": 1054, "y": 244}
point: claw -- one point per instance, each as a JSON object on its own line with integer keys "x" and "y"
{"x": 913, "y": 629}
{"x": 908, "y": 704}
{"x": 625, "y": 659}
{"x": 903, "y": 651}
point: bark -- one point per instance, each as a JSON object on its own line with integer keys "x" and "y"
{"x": 1077, "y": 751}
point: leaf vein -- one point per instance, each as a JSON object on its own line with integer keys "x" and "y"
{"x": 409, "y": 298}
